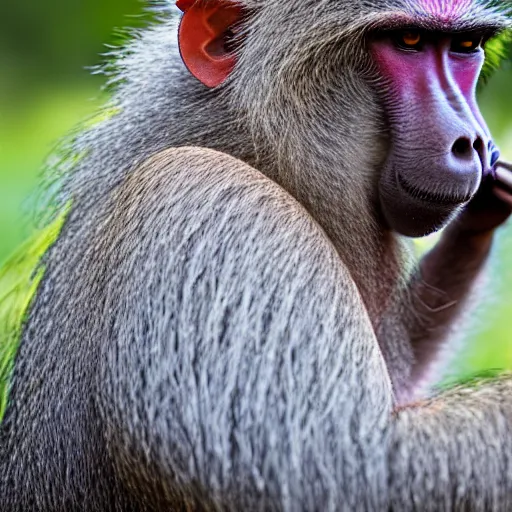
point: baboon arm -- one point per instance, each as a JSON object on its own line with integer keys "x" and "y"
{"x": 443, "y": 284}
{"x": 241, "y": 366}
{"x": 439, "y": 291}
{"x": 240, "y": 340}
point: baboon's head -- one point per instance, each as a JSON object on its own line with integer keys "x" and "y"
{"x": 373, "y": 97}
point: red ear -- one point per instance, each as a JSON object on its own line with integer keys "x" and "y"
{"x": 202, "y": 35}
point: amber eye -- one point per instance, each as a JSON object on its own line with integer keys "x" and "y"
{"x": 408, "y": 39}
{"x": 411, "y": 38}
{"x": 466, "y": 44}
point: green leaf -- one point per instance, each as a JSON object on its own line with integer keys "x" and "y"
{"x": 496, "y": 51}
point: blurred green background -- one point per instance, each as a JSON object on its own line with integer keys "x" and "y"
{"x": 45, "y": 90}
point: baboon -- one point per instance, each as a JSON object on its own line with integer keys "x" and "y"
{"x": 232, "y": 317}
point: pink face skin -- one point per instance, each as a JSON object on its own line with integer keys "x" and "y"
{"x": 436, "y": 82}
{"x": 465, "y": 71}
{"x": 441, "y": 147}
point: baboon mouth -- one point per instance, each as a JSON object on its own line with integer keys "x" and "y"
{"x": 432, "y": 197}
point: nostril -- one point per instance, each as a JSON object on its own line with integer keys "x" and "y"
{"x": 478, "y": 145}
{"x": 463, "y": 147}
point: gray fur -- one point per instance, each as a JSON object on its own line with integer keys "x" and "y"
{"x": 233, "y": 329}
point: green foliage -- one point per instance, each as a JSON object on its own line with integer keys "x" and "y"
{"x": 57, "y": 38}
{"x": 473, "y": 380}
{"x": 28, "y": 132}
{"x": 497, "y": 50}
{"x": 19, "y": 279}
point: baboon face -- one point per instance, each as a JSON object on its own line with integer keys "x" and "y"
{"x": 441, "y": 147}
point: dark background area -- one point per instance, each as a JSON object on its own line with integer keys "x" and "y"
{"x": 45, "y": 90}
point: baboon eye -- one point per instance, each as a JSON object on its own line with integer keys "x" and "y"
{"x": 409, "y": 40}
{"x": 466, "y": 44}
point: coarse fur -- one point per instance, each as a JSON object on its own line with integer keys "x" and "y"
{"x": 225, "y": 321}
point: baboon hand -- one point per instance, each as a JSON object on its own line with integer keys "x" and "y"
{"x": 492, "y": 205}
{"x": 503, "y": 186}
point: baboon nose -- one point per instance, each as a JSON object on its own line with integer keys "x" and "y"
{"x": 464, "y": 148}
{"x": 467, "y": 153}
